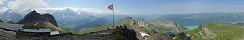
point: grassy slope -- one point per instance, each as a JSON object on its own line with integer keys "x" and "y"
{"x": 94, "y": 29}
{"x": 223, "y": 31}
{"x": 87, "y": 30}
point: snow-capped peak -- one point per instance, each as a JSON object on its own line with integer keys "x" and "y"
{"x": 76, "y": 11}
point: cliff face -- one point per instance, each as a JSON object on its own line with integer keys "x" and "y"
{"x": 50, "y": 18}
{"x": 33, "y": 17}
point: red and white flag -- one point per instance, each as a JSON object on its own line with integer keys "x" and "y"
{"x": 110, "y": 7}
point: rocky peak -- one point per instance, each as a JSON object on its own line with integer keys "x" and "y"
{"x": 33, "y": 13}
{"x": 34, "y": 17}
{"x": 30, "y": 17}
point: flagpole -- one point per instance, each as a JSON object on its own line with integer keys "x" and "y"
{"x": 113, "y": 18}
{"x": 111, "y": 8}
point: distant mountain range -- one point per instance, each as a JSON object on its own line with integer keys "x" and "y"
{"x": 107, "y": 20}
{"x": 10, "y": 15}
{"x": 203, "y": 18}
{"x": 69, "y": 18}
{"x": 78, "y": 20}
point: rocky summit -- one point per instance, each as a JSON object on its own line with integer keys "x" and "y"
{"x": 33, "y": 17}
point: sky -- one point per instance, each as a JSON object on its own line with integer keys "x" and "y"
{"x": 131, "y": 7}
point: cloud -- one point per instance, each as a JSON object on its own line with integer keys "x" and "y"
{"x": 92, "y": 10}
{"x": 77, "y": 10}
{"x": 3, "y": 9}
{"x": 27, "y": 4}
{"x": 1, "y": 1}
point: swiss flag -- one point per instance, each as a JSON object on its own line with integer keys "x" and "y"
{"x": 110, "y": 7}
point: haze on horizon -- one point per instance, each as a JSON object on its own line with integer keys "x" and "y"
{"x": 130, "y": 7}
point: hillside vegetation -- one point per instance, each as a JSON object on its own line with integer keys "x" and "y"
{"x": 220, "y": 31}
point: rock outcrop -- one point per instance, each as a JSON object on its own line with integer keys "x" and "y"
{"x": 123, "y": 33}
{"x": 206, "y": 33}
{"x": 1, "y": 21}
{"x": 8, "y": 31}
{"x": 184, "y": 36}
{"x": 33, "y": 17}
{"x": 203, "y": 32}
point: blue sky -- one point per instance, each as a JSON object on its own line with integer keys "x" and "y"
{"x": 157, "y": 6}
{"x": 137, "y": 7}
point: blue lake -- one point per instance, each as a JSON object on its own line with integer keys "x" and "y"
{"x": 190, "y": 27}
